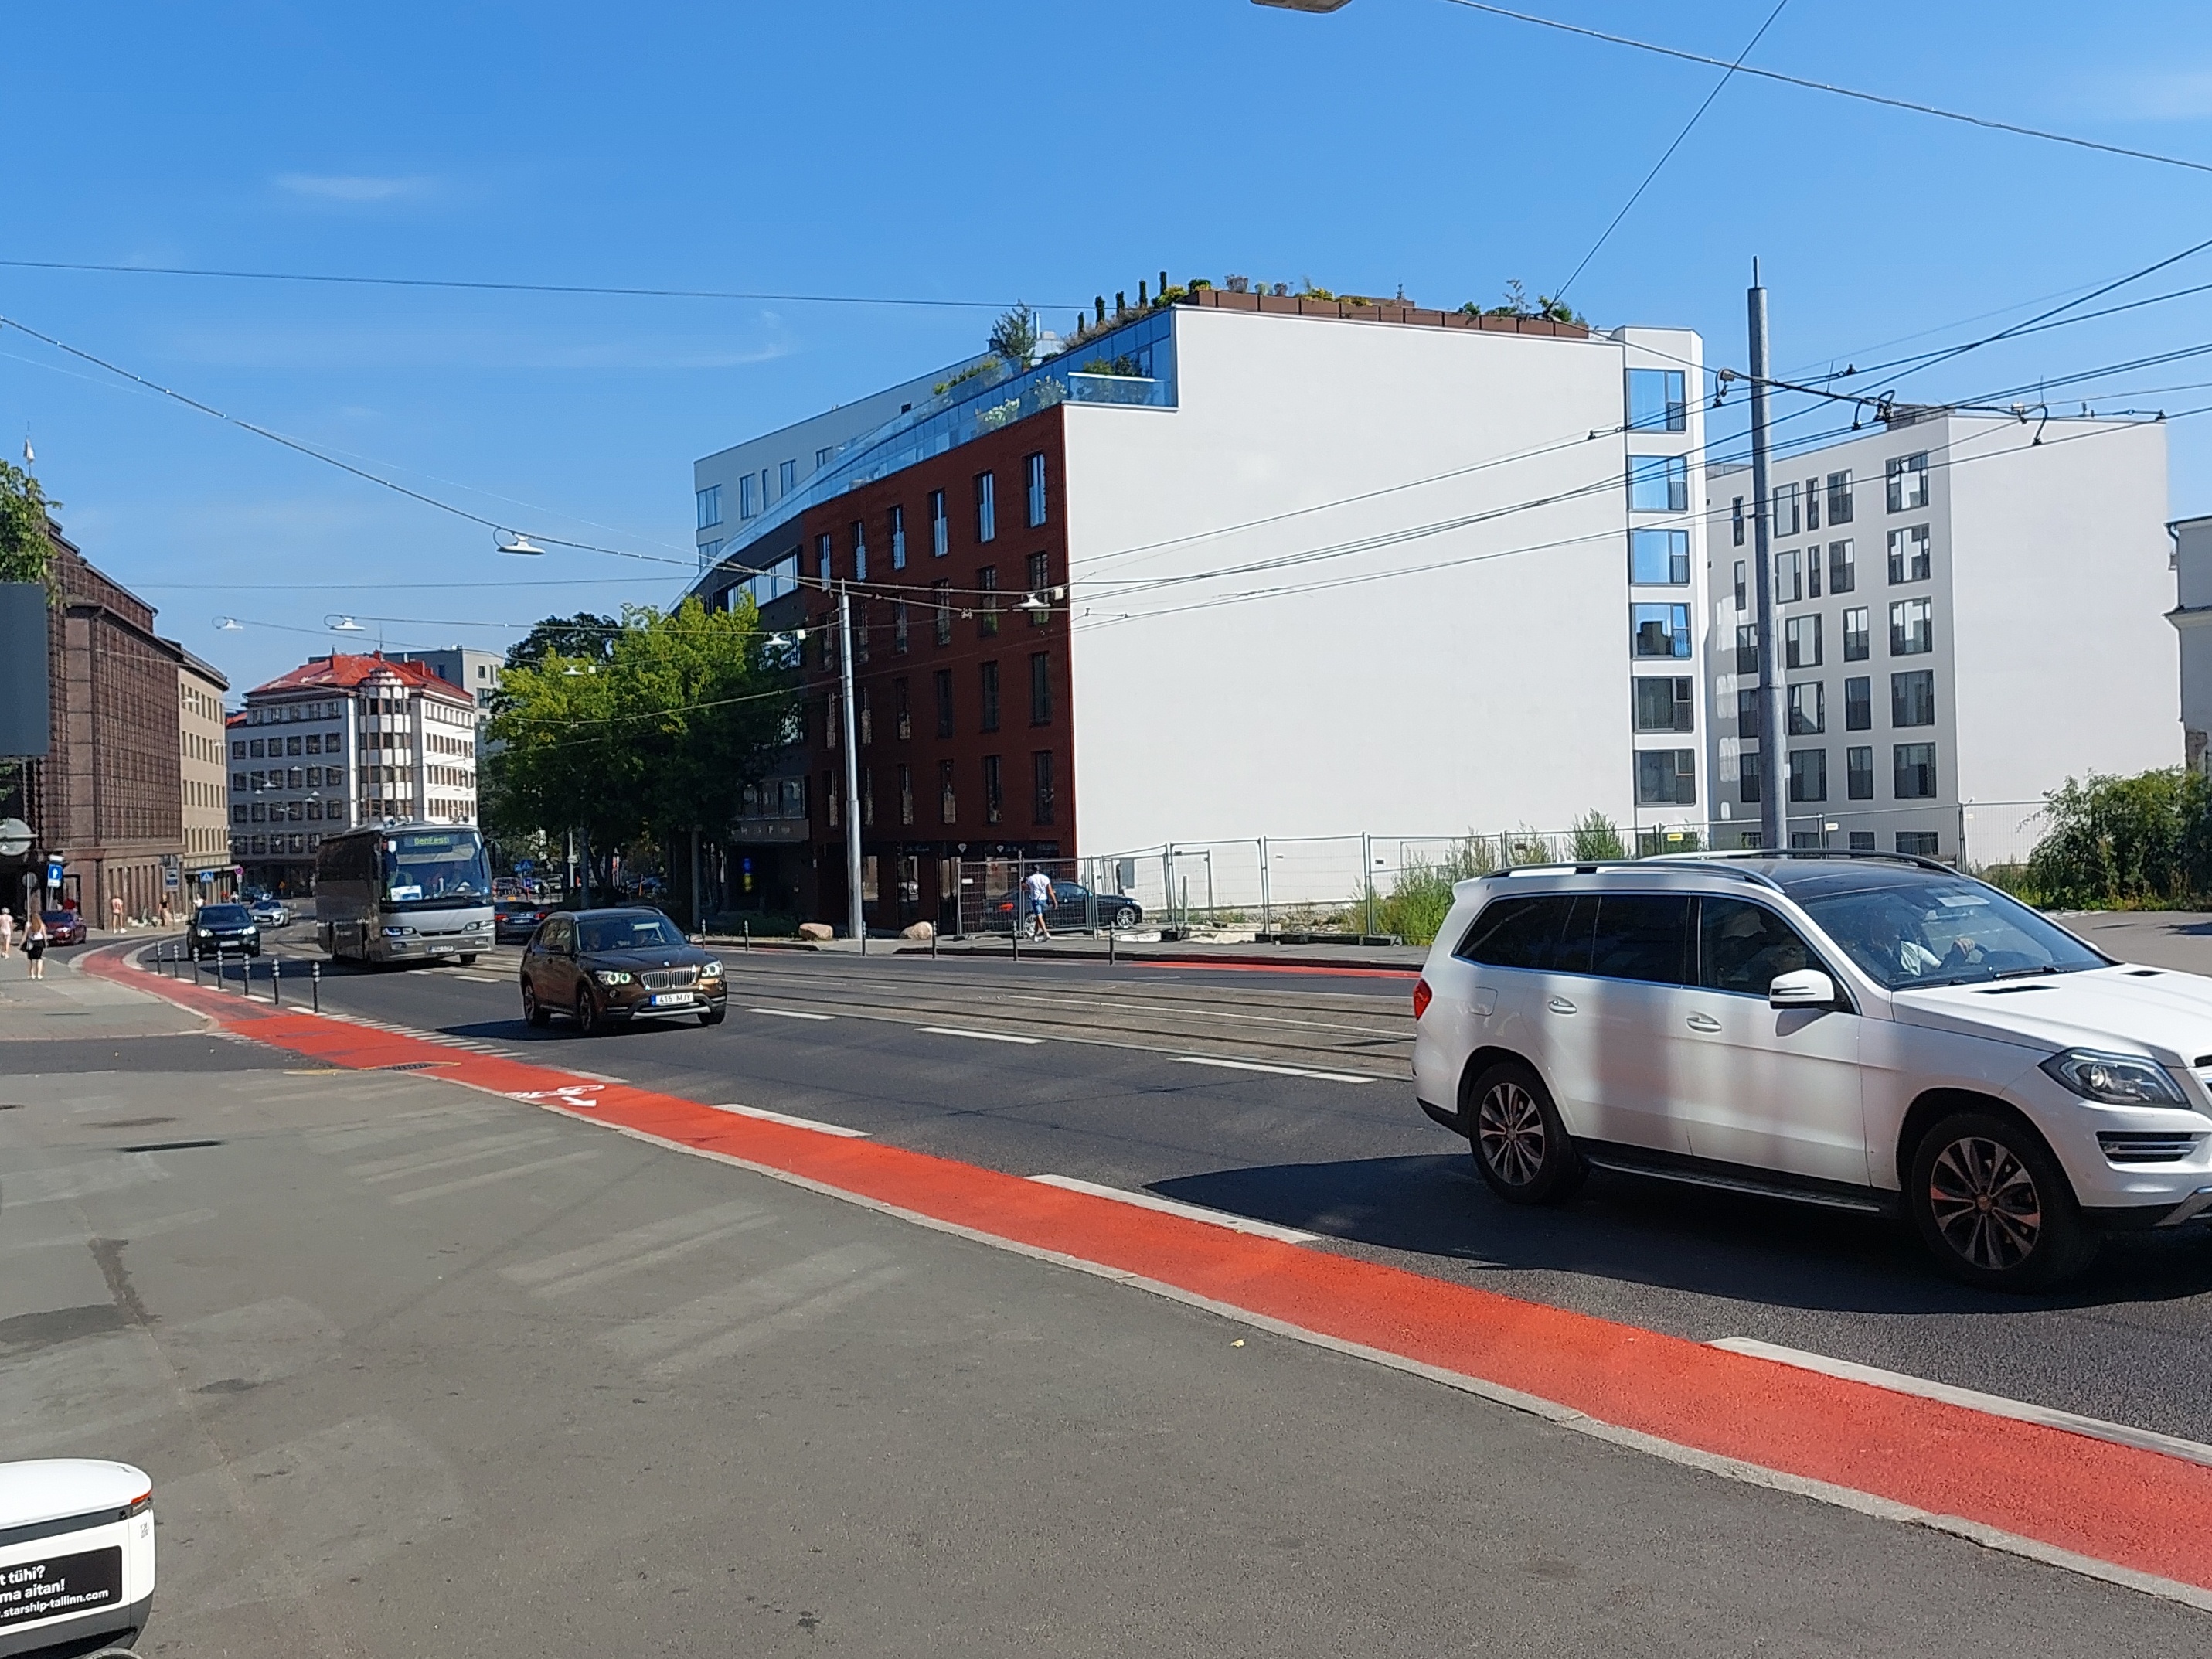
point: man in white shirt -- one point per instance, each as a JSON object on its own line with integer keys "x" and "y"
{"x": 1038, "y": 886}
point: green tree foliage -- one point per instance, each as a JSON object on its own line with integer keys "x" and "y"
{"x": 653, "y": 730}
{"x": 1421, "y": 897}
{"x": 584, "y": 636}
{"x": 2136, "y": 842}
{"x": 1597, "y": 836}
{"x": 26, "y": 552}
{"x": 1014, "y": 338}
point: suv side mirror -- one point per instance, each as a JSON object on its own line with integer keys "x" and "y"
{"x": 1807, "y": 987}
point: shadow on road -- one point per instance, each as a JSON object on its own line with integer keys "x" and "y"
{"x": 1620, "y": 1228}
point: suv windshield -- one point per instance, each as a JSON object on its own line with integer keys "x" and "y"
{"x": 435, "y": 867}
{"x": 1911, "y": 929}
{"x": 223, "y": 915}
{"x": 628, "y": 933}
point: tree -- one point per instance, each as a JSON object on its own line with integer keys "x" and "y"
{"x": 583, "y": 636}
{"x": 27, "y": 550}
{"x": 1014, "y": 338}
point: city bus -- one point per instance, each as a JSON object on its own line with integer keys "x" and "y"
{"x": 404, "y": 892}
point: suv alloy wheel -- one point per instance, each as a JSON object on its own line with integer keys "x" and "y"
{"x": 534, "y": 1014}
{"x": 590, "y": 1021}
{"x": 1993, "y": 1205}
{"x": 1520, "y": 1148}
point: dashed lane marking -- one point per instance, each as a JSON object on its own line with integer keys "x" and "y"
{"x": 980, "y": 1036}
{"x": 1236, "y": 1223}
{"x": 790, "y": 1013}
{"x": 1272, "y": 1071}
{"x": 820, "y": 1128}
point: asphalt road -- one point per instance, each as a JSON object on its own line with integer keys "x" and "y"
{"x": 420, "y": 1371}
{"x": 1110, "y": 1088}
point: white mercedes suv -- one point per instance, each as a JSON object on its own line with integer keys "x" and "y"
{"x": 1862, "y": 1031}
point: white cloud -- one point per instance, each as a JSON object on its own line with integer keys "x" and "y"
{"x": 351, "y": 186}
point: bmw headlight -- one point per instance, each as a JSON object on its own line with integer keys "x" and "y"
{"x": 610, "y": 976}
{"x": 711, "y": 969}
{"x": 2114, "y": 1079}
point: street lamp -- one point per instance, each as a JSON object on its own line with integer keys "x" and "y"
{"x": 1305, "y": 5}
{"x": 339, "y": 624}
{"x": 521, "y": 543}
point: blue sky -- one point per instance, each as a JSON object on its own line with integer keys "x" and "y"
{"x": 959, "y": 150}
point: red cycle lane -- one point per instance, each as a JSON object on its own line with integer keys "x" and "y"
{"x": 2120, "y": 1512}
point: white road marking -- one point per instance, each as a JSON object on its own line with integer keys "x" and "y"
{"x": 1236, "y": 1223}
{"x": 980, "y": 1036}
{"x": 767, "y": 1116}
{"x": 467, "y": 1182}
{"x": 1271, "y": 1071}
{"x": 2019, "y": 1411}
{"x": 443, "y": 1157}
{"x": 661, "y": 1337}
{"x": 649, "y": 1246}
{"x": 789, "y": 1013}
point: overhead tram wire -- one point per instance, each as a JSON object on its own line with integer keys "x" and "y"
{"x": 1987, "y": 123}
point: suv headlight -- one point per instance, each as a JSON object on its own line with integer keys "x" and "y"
{"x": 711, "y": 969}
{"x": 609, "y": 976}
{"x": 2114, "y": 1079}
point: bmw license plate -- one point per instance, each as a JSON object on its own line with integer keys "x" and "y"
{"x": 673, "y": 999}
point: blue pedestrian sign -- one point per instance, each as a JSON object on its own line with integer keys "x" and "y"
{"x": 53, "y": 873}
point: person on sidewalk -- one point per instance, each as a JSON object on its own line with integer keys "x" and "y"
{"x": 115, "y": 913}
{"x": 1039, "y": 888}
{"x": 34, "y": 945}
{"x": 7, "y": 931}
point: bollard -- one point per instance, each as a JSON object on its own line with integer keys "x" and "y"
{"x": 749, "y": 934}
{"x": 315, "y": 983}
{"x": 1110, "y": 936}
{"x": 196, "y": 970}
{"x": 277, "y": 981}
{"x": 1016, "y": 935}
{"x": 933, "y": 944}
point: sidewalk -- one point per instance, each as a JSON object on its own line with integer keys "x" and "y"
{"x": 69, "y": 1003}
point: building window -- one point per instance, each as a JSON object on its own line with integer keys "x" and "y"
{"x": 863, "y": 707}
{"x": 238, "y": 815}
{"x": 1788, "y": 584}
{"x": 1813, "y": 511}
{"x": 1746, "y": 777}
{"x": 1919, "y": 843}
{"x": 1855, "y": 634}
{"x": 833, "y": 720}
{"x": 867, "y": 797}
{"x": 1740, "y": 594}
{"x": 822, "y": 560}
{"x": 986, "y": 610}
{"x": 1040, "y": 688}
{"x": 823, "y": 457}
{"x": 987, "y": 684}
{"x": 906, "y": 794}
{"x": 941, "y": 595}
{"x": 1040, "y": 594}
{"x": 1908, "y": 554}
{"x": 238, "y": 751}
{"x": 1659, "y": 558}
{"x": 943, "y": 681}
{"x": 1912, "y": 698}
{"x": 710, "y": 506}
{"x": 1736, "y": 523}
{"x": 1813, "y": 571}
{"x": 1859, "y": 777}
{"x": 1747, "y": 715}
{"x": 786, "y": 478}
{"x": 1809, "y": 774}
{"x": 1843, "y": 568}
{"x": 1786, "y": 510}
{"x": 1036, "y": 500}
{"x": 1912, "y": 627}
{"x": 898, "y": 627}
{"x": 1906, "y": 479}
{"x": 1916, "y": 771}
{"x": 1664, "y": 705}
{"x": 941, "y": 536}
{"x": 1800, "y": 642}
{"x": 1660, "y": 630}
{"x": 948, "y": 805}
{"x": 1041, "y": 786}
{"x": 1747, "y": 647}
{"x": 987, "y": 507}
{"x": 993, "y": 799}
{"x": 1839, "y": 499}
{"x": 238, "y": 779}
{"x": 901, "y": 712}
{"x": 1858, "y": 704}
{"x": 1808, "y": 708}
{"x": 859, "y": 552}
{"x": 1656, "y": 402}
{"x": 898, "y": 539}
{"x": 1666, "y": 777}
{"x": 1658, "y": 483}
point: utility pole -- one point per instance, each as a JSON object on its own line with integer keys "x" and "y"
{"x": 1771, "y": 753}
{"x": 854, "y": 917}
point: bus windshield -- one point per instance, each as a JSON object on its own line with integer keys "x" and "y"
{"x": 440, "y": 866}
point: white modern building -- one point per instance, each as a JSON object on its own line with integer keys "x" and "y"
{"x": 340, "y": 741}
{"x": 1244, "y": 564}
{"x": 1969, "y": 614}
{"x": 2191, "y": 616}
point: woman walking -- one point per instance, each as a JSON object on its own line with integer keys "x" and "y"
{"x": 34, "y": 945}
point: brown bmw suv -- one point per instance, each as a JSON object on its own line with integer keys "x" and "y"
{"x": 605, "y": 968}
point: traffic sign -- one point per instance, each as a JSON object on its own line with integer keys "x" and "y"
{"x": 53, "y": 873}
{"x": 16, "y": 838}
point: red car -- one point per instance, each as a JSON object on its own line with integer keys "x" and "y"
{"x": 64, "y": 928}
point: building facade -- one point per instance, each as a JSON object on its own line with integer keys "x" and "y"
{"x": 2191, "y": 616}
{"x": 1247, "y": 564}
{"x": 465, "y": 669}
{"x": 341, "y": 741}
{"x": 205, "y": 778}
{"x": 1968, "y": 611}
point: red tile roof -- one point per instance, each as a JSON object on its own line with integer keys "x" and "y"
{"x": 341, "y": 672}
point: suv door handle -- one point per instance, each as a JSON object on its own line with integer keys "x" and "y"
{"x": 1560, "y": 1006}
{"x": 1704, "y": 1023}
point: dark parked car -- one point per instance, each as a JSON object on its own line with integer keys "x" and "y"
{"x": 514, "y": 921}
{"x": 1070, "y": 909}
{"x": 604, "y": 968}
{"x": 222, "y": 930}
{"x": 63, "y": 928}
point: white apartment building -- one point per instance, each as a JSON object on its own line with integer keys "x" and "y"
{"x": 474, "y": 671}
{"x": 340, "y": 741}
{"x": 2191, "y": 616}
{"x": 205, "y": 873}
{"x": 1968, "y": 609}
